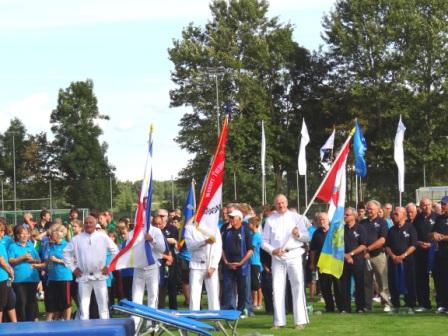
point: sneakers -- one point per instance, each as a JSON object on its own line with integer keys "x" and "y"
{"x": 377, "y": 299}
{"x": 386, "y": 308}
{"x": 411, "y": 311}
{"x": 441, "y": 310}
{"x": 394, "y": 311}
{"x": 421, "y": 310}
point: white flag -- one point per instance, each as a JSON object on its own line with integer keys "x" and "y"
{"x": 263, "y": 150}
{"x": 302, "y": 151}
{"x": 328, "y": 146}
{"x": 399, "y": 154}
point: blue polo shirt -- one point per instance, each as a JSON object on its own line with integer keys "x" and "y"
{"x": 57, "y": 271}
{"x": 256, "y": 243}
{"x": 23, "y": 272}
{"x": 3, "y": 274}
{"x": 6, "y": 241}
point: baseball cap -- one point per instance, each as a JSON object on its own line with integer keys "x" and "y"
{"x": 236, "y": 213}
{"x": 444, "y": 200}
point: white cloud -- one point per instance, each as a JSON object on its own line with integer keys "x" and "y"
{"x": 34, "y": 111}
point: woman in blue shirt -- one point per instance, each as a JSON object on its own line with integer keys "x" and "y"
{"x": 25, "y": 261}
{"x": 59, "y": 276}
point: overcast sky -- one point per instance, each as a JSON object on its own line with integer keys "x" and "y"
{"x": 122, "y": 46}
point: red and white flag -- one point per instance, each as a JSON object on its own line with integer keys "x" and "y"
{"x": 208, "y": 211}
{"x": 137, "y": 251}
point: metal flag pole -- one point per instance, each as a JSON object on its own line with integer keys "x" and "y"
{"x": 298, "y": 191}
{"x": 306, "y": 189}
{"x": 356, "y": 190}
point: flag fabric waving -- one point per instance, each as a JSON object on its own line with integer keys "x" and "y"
{"x": 305, "y": 139}
{"x": 137, "y": 252}
{"x": 207, "y": 214}
{"x": 399, "y": 154}
{"x": 189, "y": 210}
{"x": 327, "y": 148}
{"x": 332, "y": 190}
{"x": 359, "y": 147}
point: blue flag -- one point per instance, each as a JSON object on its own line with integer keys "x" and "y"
{"x": 359, "y": 146}
{"x": 189, "y": 210}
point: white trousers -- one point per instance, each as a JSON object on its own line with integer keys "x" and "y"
{"x": 197, "y": 278}
{"x": 148, "y": 278}
{"x": 293, "y": 268}
{"x": 85, "y": 291}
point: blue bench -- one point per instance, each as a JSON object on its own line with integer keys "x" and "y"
{"x": 162, "y": 321}
{"x": 218, "y": 317}
{"x": 111, "y": 327}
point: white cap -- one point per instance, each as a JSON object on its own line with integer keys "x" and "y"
{"x": 236, "y": 213}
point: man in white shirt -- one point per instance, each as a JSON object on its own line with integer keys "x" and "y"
{"x": 283, "y": 237}
{"x": 85, "y": 255}
{"x": 205, "y": 256}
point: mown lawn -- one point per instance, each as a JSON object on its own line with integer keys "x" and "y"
{"x": 374, "y": 323}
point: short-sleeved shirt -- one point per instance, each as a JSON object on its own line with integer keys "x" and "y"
{"x": 317, "y": 242}
{"x": 232, "y": 240}
{"x": 3, "y": 274}
{"x": 441, "y": 226}
{"x": 354, "y": 237}
{"x": 23, "y": 272}
{"x": 400, "y": 238}
{"x": 6, "y": 241}
{"x": 423, "y": 225}
{"x": 375, "y": 229}
{"x": 170, "y": 231}
{"x": 256, "y": 243}
{"x": 57, "y": 271}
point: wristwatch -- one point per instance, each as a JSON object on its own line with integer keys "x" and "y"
{"x": 352, "y": 254}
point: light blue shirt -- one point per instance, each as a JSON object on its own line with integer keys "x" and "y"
{"x": 3, "y": 274}
{"x": 57, "y": 271}
{"x": 256, "y": 243}
{"x": 6, "y": 241}
{"x": 23, "y": 271}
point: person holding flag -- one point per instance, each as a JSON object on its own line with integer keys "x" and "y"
{"x": 284, "y": 235}
{"x": 206, "y": 254}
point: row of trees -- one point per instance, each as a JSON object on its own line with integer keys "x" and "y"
{"x": 381, "y": 59}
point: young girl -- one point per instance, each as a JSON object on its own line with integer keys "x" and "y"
{"x": 255, "y": 262}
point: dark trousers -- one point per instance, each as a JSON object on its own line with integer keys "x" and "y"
{"x": 440, "y": 271}
{"x": 409, "y": 275}
{"x": 357, "y": 272}
{"x": 169, "y": 287}
{"x": 232, "y": 279}
{"x": 127, "y": 287}
{"x": 422, "y": 278}
{"x": 26, "y": 302}
{"x": 329, "y": 285}
{"x": 266, "y": 288}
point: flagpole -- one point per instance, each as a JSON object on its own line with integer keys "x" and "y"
{"x": 298, "y": 191}
{"x": 306, "y": 189}
{"x": 356, "y": 190}
{"x": 360, "y": 189}
{"x": 326, "y": 176}
{"x": 399, "y": 197}
{"x": 234, "y": 185}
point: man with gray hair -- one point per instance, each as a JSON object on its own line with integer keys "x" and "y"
{"x": 85, "y": 256}
{"x": 376, "y": 262}
{"x": 284, "y": 235}
{"x": 423, "y": 224}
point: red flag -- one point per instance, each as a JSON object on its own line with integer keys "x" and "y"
{"x": 326, "y": 190}
{"x": 207, "y": 215}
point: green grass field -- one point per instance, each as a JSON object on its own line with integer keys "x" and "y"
{"x": 374, "y": 323}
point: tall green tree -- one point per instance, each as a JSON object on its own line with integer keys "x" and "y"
{"x": 388, "y": 58}
{"x": 80, "y": 156}
{"x": 257, "y": 67}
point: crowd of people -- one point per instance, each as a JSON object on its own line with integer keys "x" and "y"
{"x": 254, "y": 259}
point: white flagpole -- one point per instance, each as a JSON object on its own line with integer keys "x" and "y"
{"x": 356, "y": 190}
{"x": 306, "y": 189}
{"x": 298, "y": 191}
{"x": 263, "y": 164}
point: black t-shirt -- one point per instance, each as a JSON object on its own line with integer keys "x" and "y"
{"x": 353, "y": 237}
{"x": 400, "y": 238}
{"x": 375, "y": 230}
{"x": 232, "y": 240}
{"x": 441, "y": 226}
{"x": 317, "y": 242}
{"x": 423, "y": 225}
{"x": 170, "y": 231}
